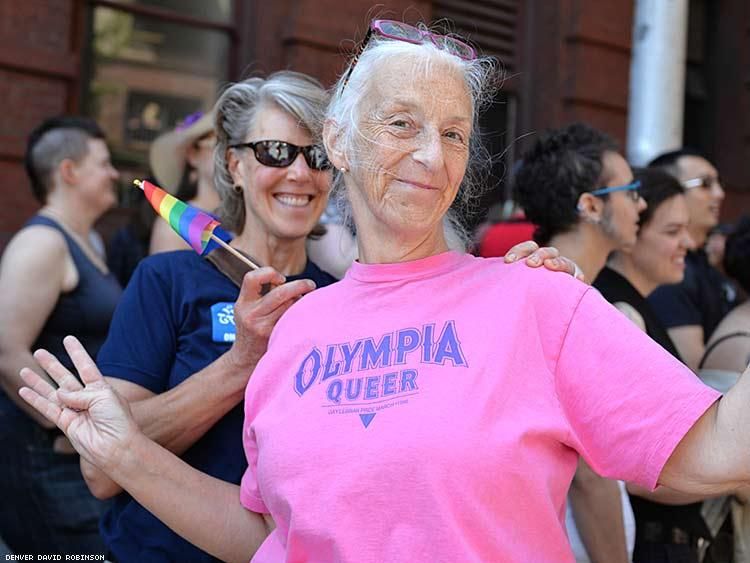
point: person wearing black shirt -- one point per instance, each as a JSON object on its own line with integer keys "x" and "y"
{"x": 692, "y": 309}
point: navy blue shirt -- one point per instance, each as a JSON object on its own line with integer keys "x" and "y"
{"x": 703, "y": 297}
{"x": 175, "y": 318}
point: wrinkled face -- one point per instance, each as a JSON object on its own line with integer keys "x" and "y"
{"x": 704, "y": 203}
{"x": 663, "y": 242}
{"x": 620, "y": 217}
{"x": 284, "y": 203}
{"x": 414, "y": 147}
{"x": 96, "y": 177}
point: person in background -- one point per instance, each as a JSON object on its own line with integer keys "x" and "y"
{"x": 692, "y": 309}
{"x": 580, "y": 193}
{"x": 52, "y": 283}
{"x": 182, "y": 162}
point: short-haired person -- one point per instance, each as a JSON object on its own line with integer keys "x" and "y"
{"x": 692, "y": 309}
{"x": 579, "y": 192}
{"x": 431, "y": 405}
{"x": 52, "y": 283}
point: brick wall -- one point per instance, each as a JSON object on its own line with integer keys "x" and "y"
{"x": 729, "y": 83}
{"x": 315, "y": 36}
{"x": 575, "y": 64}
{"x": 38, "y": 70}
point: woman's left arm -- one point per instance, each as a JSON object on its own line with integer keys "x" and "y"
{"x": 714, "y": 456}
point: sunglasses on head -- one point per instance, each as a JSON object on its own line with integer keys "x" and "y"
{"x": 400, "y": 31}
{"x": 630, "y": 189}
{"x": 280, "y": 154}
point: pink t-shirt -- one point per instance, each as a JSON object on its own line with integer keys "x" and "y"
{"x": 434, "y": 411}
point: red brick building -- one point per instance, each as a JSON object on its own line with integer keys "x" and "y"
{"x": 139, "y": 65}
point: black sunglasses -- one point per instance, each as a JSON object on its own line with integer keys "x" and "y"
{"x": 280, "y": 154}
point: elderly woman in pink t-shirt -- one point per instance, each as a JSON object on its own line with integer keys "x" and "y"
{"x": 431, "y": 405}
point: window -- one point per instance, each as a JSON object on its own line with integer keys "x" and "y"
{"x": 150, "y": 63}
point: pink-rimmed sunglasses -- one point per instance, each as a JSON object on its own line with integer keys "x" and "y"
{"x": 400, "y": 31}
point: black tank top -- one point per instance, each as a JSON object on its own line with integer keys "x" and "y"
{"x": 84, "y": 312}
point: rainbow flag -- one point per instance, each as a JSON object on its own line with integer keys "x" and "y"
{"x": 193, "y": 225}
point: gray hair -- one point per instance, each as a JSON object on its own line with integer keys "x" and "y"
{"x": 300, "y": 95}
{"x": 480, "y": 76}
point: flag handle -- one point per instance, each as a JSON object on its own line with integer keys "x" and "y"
{"x": 234, "y": 252}
{"x": 220, "y": 242}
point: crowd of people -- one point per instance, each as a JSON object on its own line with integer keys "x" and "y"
{"x": 430, "y": 404}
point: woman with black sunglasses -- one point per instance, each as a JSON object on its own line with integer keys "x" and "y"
{"x": 431, "y": 406}
{"x": 668, "y": 523}
{"x": 173, "y": 349}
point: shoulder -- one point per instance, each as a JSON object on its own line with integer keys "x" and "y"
{"x": 165, "y": 239}
{"x": 631, "y": 313}
{"x": 36, "y": 247}
{"x": 736, "y": 321}
{"x": 42, "y": 237}
{"x": 537, "y": 285}
{"x": 485, "y": 278}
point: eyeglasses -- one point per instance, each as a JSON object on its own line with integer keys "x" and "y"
{"x": 631, "y": 189}
{"x": 280, "y": 154}
{"x": 705, "y": 182}
{"x": 400, "y": 31}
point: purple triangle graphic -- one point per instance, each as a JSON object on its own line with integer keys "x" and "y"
{"x": 367, "y": 418}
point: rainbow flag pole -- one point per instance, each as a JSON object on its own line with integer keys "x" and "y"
{"x": 199, "y": 229}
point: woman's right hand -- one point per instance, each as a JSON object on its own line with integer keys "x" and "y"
{"x": 256, "y": 312}
{"x": 96, "y": 420}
